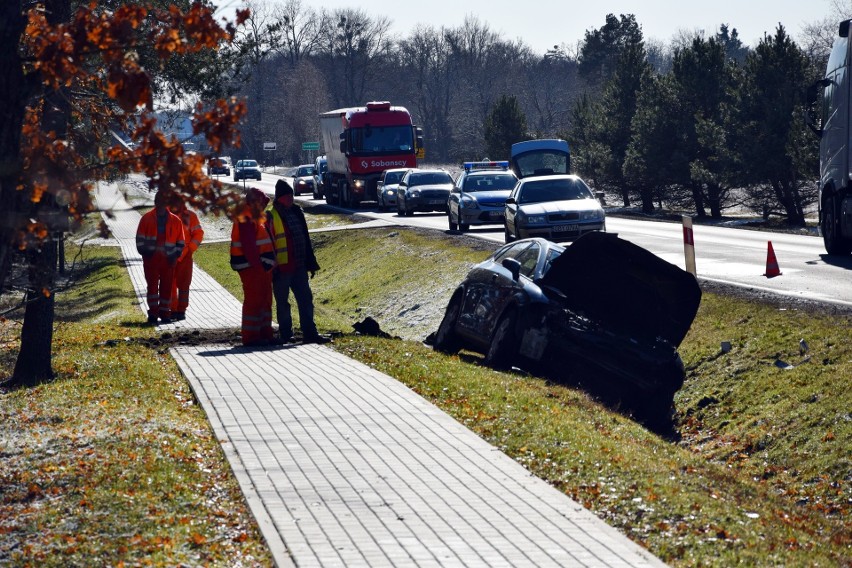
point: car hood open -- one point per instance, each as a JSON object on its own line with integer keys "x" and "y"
{"x": 626, "y": 288}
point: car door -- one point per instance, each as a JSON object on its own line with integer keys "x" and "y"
{"x": 453, "y": 201}
{"x": 490, "y": 287}
{"x": 511, "y": 210}
{"x": 403, "y": 185}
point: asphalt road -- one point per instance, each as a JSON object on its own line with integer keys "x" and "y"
{"x": 723, "y": 254}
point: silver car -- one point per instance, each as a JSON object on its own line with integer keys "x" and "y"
{"x": 423, "y": 190}
{"x": 559, "y": 208}
{"x": 388, "y": 187}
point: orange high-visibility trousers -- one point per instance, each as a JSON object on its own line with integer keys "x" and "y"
{"x": 159, "y": 279}
{"x": 257, "y": 305}
{"x": 183, "y": 279}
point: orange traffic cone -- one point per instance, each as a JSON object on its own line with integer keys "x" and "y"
{"x": 772, "y": 269}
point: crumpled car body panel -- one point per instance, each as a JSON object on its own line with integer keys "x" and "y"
{"x": 602, "y": 303}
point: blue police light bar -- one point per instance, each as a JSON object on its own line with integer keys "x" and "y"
{"x": 504, "y": 164}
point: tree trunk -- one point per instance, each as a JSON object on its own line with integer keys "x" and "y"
{"x": 34, "y": 363}
{"x": 13, "y": 96}
{"x": 647, "y": 197}
{"x": 715, "y": 201}
{"x": 698, "y": 198}
{"x": 784, "y": 193}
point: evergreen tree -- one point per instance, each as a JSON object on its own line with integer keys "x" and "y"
{"x": 779, "y": 158}
{"x": 505, "y": 125}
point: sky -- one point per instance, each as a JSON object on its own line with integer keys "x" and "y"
{"x": 545, "y": 23}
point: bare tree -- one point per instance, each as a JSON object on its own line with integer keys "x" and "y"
{"x": 353, "y": 45}
{"x": 301, "y": 27}
{"x": 256, "y": 42}
{"x": 428, "y": 69}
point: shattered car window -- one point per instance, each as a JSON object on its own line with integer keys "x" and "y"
{"x": 552, "y": 255}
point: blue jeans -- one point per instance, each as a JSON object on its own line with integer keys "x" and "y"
{"x": 299, "y": 283}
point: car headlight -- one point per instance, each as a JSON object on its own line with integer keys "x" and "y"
{"x": 389, "y": 192}
{"x": 359, "y": 183}
{"x": 301, "y": 182}
{"x": 592, "y": 215}
{"x": 468, "y": 202}
{"x": 413, "y": 193}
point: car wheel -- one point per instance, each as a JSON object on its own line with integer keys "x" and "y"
{"x": 258, "y": 178}
{"x": 453, "y": 225}
{"x": 503, "y": 349}
{"x": 463, "y": 227}
{"x": 508, "y": 236}
{"x": 446, "y": 338}
{"x": 409, "y": 212}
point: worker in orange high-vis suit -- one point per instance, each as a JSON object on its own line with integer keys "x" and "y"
{"x": 253, "y": 257}
{"x": 160, "y": 240}
{"x": 183, "y": 270}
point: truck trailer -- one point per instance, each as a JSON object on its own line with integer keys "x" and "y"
{"x": 362, "y": 142}
{"x": 830, "y": 115}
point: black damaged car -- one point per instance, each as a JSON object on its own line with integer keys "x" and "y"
{"x": 603, "y": 308}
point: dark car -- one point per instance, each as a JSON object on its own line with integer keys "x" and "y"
{"x": 479, "y": 195}
{"x": 246, "y": 169}
{"x": 603, "y": 307}
{"x": 423, "y": 190}
{"x": 303, "y": 179}
{"x": 218, "y": 167}
{"x": 320, "y": 167}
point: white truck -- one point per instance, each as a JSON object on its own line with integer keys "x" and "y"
{"x": 830, "y": 115}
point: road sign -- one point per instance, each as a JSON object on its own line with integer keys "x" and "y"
{"x": 310, "y": 146}
{"x": 269, "y": 145}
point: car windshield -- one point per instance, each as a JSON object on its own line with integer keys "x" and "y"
{"x": 554, "y": 190}
{"x": 248, "y": 164}
{"x": 393, "y": 177}
{"x": 382, "y": 139}
{"x": 430, "y": 178}
{"x": 542, "y": 163}
{"x": 489, "y": 182}
{"x": 306, "y": 171}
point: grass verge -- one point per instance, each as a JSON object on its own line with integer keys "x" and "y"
{"x": 758, "y": 474}
{"x": 112, "y": 464}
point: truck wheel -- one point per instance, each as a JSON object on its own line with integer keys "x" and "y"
{"x": 830, "y": 227}
{"x": 503, "y": 350}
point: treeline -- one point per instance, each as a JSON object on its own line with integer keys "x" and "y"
{"x": 702, "y": 124}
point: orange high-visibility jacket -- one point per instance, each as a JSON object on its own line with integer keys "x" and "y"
{"x": 193, "y": 231}
{"x": 263, "y": 243}
{"x": 146, "y": 236}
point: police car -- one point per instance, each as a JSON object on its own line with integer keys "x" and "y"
{"x": 479, "y": 195}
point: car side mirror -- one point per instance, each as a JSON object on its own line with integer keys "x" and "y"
{"x": 513, "y": 266}
{"x": 510, "y": 201}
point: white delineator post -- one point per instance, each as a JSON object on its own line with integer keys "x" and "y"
{"x": 688, "y": 245}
